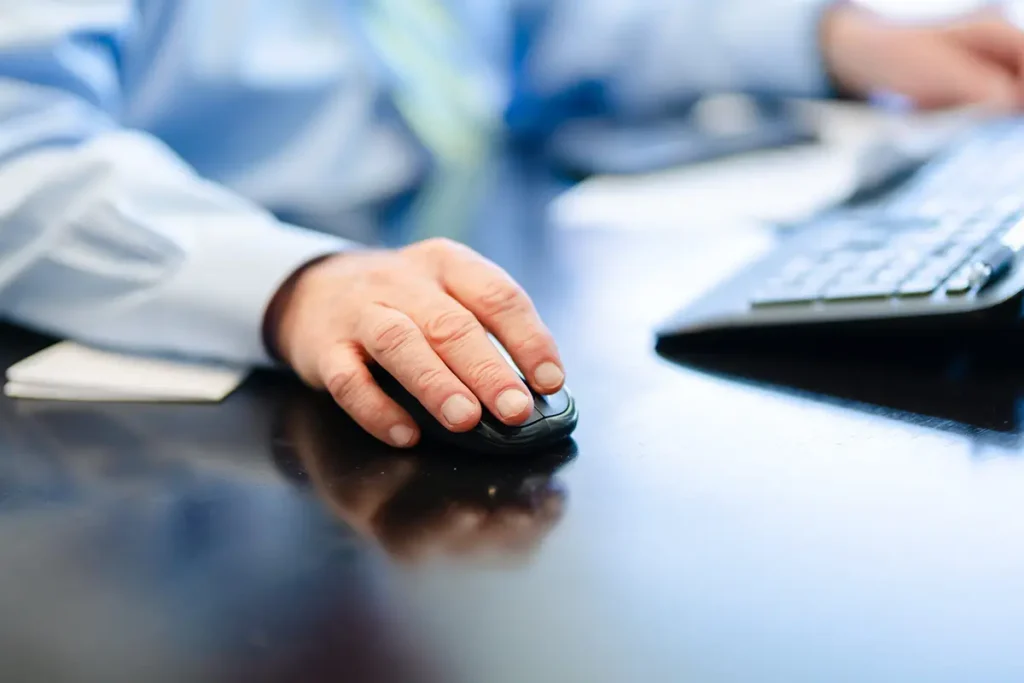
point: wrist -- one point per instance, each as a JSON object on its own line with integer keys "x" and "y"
{"x": 275, "y": 318}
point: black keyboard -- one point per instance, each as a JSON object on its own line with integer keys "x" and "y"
{"x": 923, "y": 240}
{"x": 939, "y": 251}
{"x": 892, "y": 258}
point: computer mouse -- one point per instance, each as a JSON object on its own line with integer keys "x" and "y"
{"x": 554, "y": 418}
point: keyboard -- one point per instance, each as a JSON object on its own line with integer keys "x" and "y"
{"x": 921, "y": 240}
{"x": 893, "y": 258}
{"x": 944, "y": 240}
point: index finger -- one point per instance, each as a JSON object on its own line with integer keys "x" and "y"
{"x": 507, "y": 312}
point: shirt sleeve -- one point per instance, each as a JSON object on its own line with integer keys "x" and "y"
{"x": 106, "y": 236}
{"x": 577, "y": 57}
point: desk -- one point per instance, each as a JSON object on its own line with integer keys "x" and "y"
{"x": 807, "y": 522}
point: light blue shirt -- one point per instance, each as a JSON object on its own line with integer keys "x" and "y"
{"x": 150, "y": 150}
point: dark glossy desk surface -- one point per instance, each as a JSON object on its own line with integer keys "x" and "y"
{"x": 861, "y": 523}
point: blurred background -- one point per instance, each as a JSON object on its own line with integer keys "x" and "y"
{"x": 915, "y": 9}
{"x": 919, "y": 8}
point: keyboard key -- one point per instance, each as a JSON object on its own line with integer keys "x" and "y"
{"x": 861, "y": 291}
{"x": 781, "y": 296}
{"x": 961, "y": 250}
{"x": 942, "y": 267}
{"x": 917, "y": 247}
{"x": 976, "y": 227}
{"x": 874, "y": 260}
{"x": 907, "y": 260}
{"x": 821, "y": 278}
{"x": 796, "y": 269}
{"x": 894, "y": 275}
{"x": 920, "y": 285}
{"x": 839, "y": 260}
{"x": 969, "y": 241}
{"x": 783, "y": 293}
{"x": 868, "y": 240}
{"x": 855, "y": 276}
{"x": 960, "y": 283}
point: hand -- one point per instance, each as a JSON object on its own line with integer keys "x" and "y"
{"x": 975, "y": 61}
{"x": 422, "y": 313}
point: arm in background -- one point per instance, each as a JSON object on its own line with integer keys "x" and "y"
{"x": 644, "y": 57}
{"x": 106, "y": 236}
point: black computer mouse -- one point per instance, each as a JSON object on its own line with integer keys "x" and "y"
{"x": 553, "y": 420}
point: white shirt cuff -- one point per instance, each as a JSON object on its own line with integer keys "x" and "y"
{"x": 227, "y": 283}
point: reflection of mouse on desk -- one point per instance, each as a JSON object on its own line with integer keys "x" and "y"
{"x": 553, "y": 420}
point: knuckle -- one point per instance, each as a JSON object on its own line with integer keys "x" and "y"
{"x": 489, "y": 374}
{"x": 427, "y": 379}
{"x": 441, "y": 244}
{"x": 392, "y": 337}
{"x": 438, "y": 246}
{"x": 533, "y": 343}
{"x": 501, "y": 298}
{"x": 343, "y": 386}
{"x": 449, "y": 328}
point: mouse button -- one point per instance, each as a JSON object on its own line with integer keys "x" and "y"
{"x": 536, "y": 416}
{"x": 499, "y": 426}
{"x": 552, "y": 405}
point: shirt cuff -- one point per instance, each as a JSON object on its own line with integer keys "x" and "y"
{"x": 760, "y": 47}
{"x": 229, "y": 280}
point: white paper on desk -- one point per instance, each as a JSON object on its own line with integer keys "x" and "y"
{"x": 765, "y": 186}
{"x": 72, "y": 372}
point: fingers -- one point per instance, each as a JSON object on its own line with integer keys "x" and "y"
{"x": 994, "y": 38}
{"x": 346, "y": 376}
{"x": 955, "y": 77}
{"x": 462, "y": 343}
{"x": 975, "y": 62}
{"x": 991, "y": 35}
{"x": 971, "y": 81}
{"x": 398, "y": 344}
{"x": 505, "y": 309}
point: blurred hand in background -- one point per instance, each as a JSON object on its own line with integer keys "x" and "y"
{"x": 977, "y": 60}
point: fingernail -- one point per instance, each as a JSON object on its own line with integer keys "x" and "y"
{"x": 458, "y": 409}
{"x": 401, "y": 435}
{"x": 548, "y": 375}
{"x": 512, "y": 403}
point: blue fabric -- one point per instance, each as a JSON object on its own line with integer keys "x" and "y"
{"x": 150, "y": 149}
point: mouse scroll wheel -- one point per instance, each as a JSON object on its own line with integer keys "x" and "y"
{"x": 549, "y": 406}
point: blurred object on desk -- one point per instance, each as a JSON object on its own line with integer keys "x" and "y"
{"x": 71, "y": 372}
{"x": 773, "y": 186}
{"x": 715, "y": 127}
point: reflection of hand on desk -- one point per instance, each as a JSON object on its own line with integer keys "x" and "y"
{"x": 422, "y": 505}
